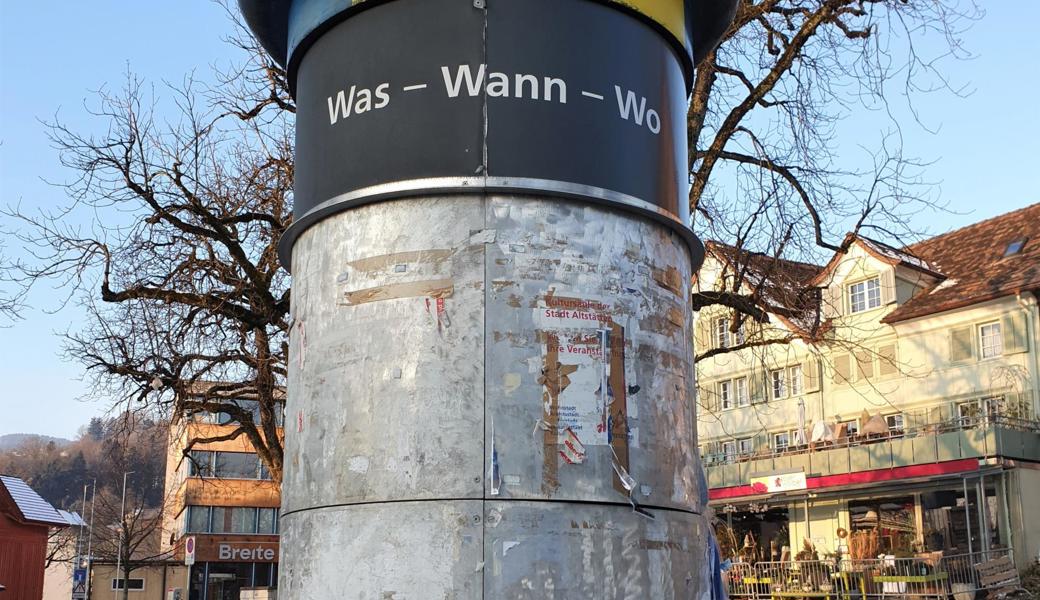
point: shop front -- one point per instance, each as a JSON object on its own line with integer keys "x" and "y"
{"x": 226, "y": 564}
{"x": 957, "y": 514}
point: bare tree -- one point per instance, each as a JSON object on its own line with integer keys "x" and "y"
{"x": 127, "y": 533}
{"x": 10, "y": 299}
{"x": 169, "y": 244}
{"x": 169, "y": 241}
{"x": 762, "y": 128}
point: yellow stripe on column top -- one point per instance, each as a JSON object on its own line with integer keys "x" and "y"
{"x": 670, "y": 14}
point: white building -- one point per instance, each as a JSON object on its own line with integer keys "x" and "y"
{"x": 906, "y": 403}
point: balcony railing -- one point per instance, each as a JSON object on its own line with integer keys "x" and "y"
{"x": 930, "y": 435}
{"x": 933, "y": 576}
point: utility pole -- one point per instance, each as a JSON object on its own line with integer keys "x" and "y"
{"x": 491, "y": 383}
{"x": 90, "y": 536}
{"x": 122, "y": 525}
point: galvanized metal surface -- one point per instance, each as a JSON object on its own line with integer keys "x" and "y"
{"x": 458, "y": 361}
{"x": 471, "y": 550}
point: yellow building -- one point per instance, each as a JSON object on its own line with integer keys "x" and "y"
{"x": 154, "y": 581}
{"x": 906, "y": 404}
{"x": 223, "y": 497}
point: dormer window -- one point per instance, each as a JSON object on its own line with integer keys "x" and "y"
{"x": 1015, "y": 247}
{"x": 865, "y": 295}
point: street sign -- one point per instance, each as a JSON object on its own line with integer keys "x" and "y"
{"x": 189, "y": 550}
{"x": 79, "y": 584}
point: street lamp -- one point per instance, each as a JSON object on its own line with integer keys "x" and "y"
{"x": 119, "y": 552}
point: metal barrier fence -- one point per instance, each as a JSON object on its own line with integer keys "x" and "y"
{"x": 931, "y": 576}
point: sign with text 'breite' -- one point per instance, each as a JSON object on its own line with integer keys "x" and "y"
{"x": 572, "y": 98}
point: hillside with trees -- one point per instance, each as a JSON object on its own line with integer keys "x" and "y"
{"x": 104, "y": 450}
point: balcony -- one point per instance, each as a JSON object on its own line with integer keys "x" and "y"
{"x": 934, "y": 435}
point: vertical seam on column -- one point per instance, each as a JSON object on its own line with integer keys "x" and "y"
{"x": 487, "y": 296}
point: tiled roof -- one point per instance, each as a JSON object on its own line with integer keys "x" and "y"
{"x": 973, "y": 262}
{"x": 31, "y": 506}
{"x": 784, "y": 285}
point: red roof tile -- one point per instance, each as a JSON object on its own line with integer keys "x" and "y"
{"x": 972, "y": 260}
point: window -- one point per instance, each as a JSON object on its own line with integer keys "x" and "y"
{"x": 779, "y": 383}
{"x": 236, "y": 465}
{"x": 895, "y": 423}
{"x": 745, "y": 447}
{"x": 722, "y": 334}
{"x": 1015, "y": 247}
{"x": 724, "y": 338}
{"x": 741, "y": 391}
{"x": 132, "y": 584}
{"x": 729, "y": 450}
{"x": 200, "y": 463}
{"x": 782, "y": 440}
{"x": 725, "y": 395}
{"x": 851, "y": 427}
{"x": 243, "y": 520}
{"x": 267, "y": 521}
{"x": 231, "y": 465}
{"x": 967, "y": 412}
{"x": 794, "y": 378}
{"x": 991, "y": 341}
{"x": 198, "y": 519}
{"x": 994, "y": 406}
{"x": 237, "y": 519}
{"x": 865, "y": 295}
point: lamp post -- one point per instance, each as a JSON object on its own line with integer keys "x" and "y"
{"x": 122, "y": 525}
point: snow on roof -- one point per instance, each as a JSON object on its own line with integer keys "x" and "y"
{"x": 72, "y": 518}
{"x": 896, "y": 254}
{"x": 29, "y": 503}
{"x": 945, "y": 284}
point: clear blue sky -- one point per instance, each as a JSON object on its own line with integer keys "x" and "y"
{"x": 52, "y": 55}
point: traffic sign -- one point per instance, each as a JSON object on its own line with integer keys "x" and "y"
{"x": 189, "y": 550}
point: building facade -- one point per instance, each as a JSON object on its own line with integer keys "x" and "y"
{"x": 224, "y": 498}
{"x": 904, "y": 409}
{"x": 154, "y": 581}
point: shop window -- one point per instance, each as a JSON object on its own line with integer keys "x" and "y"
{"x": 133, "y": 584}
{"x": 890, "y": 519}
{"x": 779, "y": 387}
{"x": 865, "y": 295}
{"x": 991, "y": 341}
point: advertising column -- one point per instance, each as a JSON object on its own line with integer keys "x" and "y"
{"x": 491, "y": 378}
